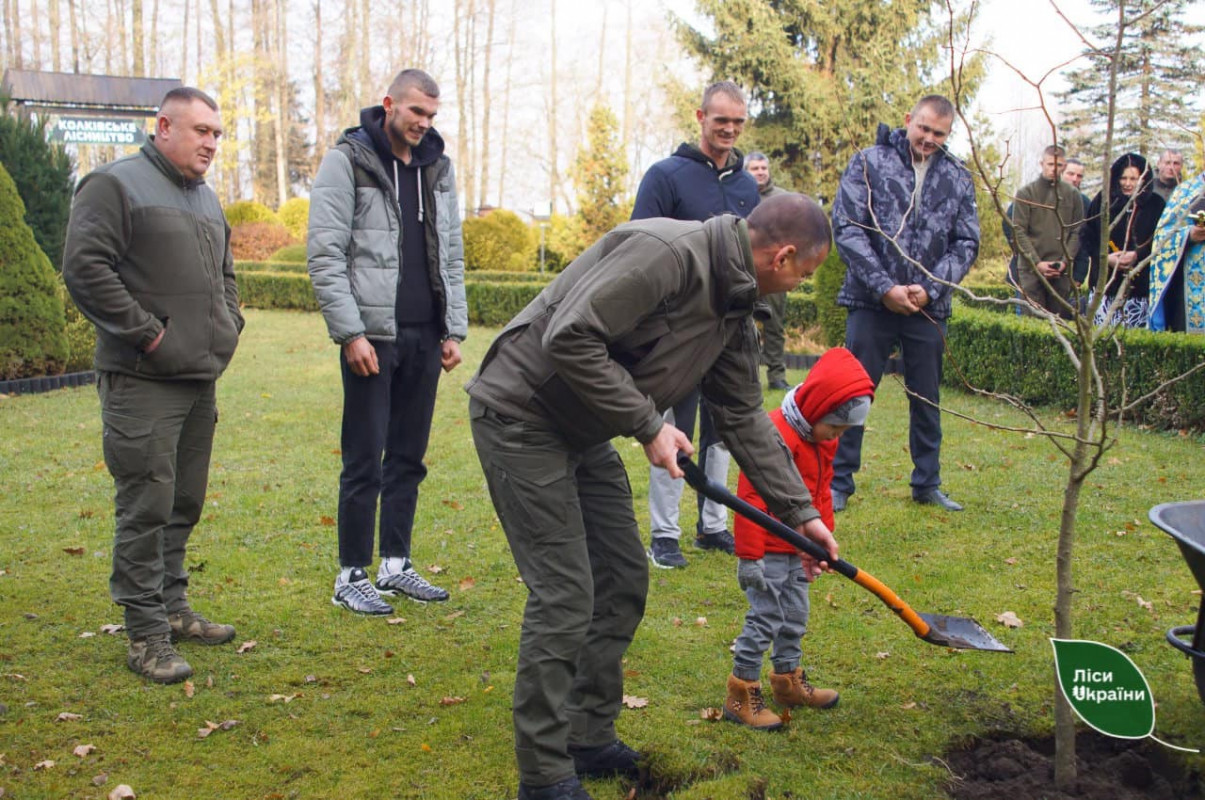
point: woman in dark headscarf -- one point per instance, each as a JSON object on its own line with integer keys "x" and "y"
{"x": 1133, "y": 214}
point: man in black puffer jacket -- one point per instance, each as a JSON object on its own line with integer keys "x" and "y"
{"x": 906, "y": 226}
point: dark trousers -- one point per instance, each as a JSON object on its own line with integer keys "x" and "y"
{"x": 387, "y": 414}
{"x": 568, "y": 518}
{"x": 158, "y": 436}
{"x": 773, "y": 338}
{"x": 871, "y": 336}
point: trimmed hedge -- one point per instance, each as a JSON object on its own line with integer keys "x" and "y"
{"x": 494, "y": 304}
{"x": 291, "y": 291}
{"x": 1017, "y": 355}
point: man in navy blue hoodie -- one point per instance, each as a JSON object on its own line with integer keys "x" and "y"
{"x": 906, "y": 226}
{"x": 697, "y": 183}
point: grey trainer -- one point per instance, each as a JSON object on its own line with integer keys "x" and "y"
{"x": 357, "y": 594}
{"x": 409, "y": 583}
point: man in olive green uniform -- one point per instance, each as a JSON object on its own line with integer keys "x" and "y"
{"x": 654, "y": 309}
{"x": 148, "y": 261}
{"x": 773, "y": 339}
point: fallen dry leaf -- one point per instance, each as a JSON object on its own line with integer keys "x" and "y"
{"x": 677, "y": 622}
{"x": 1010, "y": 561}
{"x": 389, "y": 654}
{"x": 882, "y": 655}
{"x": 47, "y": 764}
{"x": 245, "y": 646}
{"x": 410, "y": 680}
{"x": 100, "y": 779}
{"x": 1138, "y": 599}
{"x": 785, "y": 716}
{"x": 284, "y": 698}
{"x": 701, "y": 622}
{"x": 83, "y": 750}
{"x": 635, "y": 702}
{"x": 1009, "y": 620}
{"x": 284, "y": 582}
{"x": 712, "y": 714}
{"x": 426, "y": 748}
{"x": 325, "y": 520}
{"x": 73, "y": 551}
{"x": 87, "y": 634}
{"x": 455, "y": 505}
{"x": 16, "y": 676}
{"x": 189, "y": 689}
{"x": 396, "y": 621}
{"x": 435, "y": 569}
{"x": 365, "y": 670}
{"x": 122, "y": 792}
{"x": 67, "y": 716}
{"x": 451, "y": 701}
{"x": 909, "y": 706}
{"x": 210, "y": 727}
{"x": 467, "y": 583}
{"x": 112, "y": 629}
{"x": 828, "y": 598}
{"x": 454, "y": 615}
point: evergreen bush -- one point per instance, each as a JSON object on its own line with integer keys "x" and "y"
{"x": 33, "y": 339}
{"x": 500, "y": 240}
{"x": 294, "y": 214}
{"x": 242, "y": 212}
{"x": 44, "y": 175}
{"x": 290, "y": 254}
{"x": 827, "y": 280}
{"x": 81, "y": 334}
{"x": 275, "y": 290}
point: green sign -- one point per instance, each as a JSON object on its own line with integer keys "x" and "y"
{"x": 1106, "y": 689}
{"x": 98, "y": 130}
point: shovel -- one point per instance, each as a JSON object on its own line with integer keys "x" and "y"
{"x": 960, "y": 633}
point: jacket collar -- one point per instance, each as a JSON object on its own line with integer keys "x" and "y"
{"x": 169, "y": 170}
{"x": 735, "y": 285}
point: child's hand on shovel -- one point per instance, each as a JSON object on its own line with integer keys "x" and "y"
{"x": 819, "y": 533}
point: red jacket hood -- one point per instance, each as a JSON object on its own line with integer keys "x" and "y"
{"x": 835, "y": 379}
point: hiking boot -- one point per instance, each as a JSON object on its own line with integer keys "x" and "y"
{"x": 409, "y": 583}
{"x": 791, "y": 689}
{"x": 665, "y": 553}
{"x": 746, "y": 706}
{"x": 154, "y": 658}
{"x": 357, "y": 594}
{"x": 840, "y": 500}
{"x": 568, "y": 789}
{"x": 191, "y": 626}
{"x": 720, "y": 540}
{"x": 605, "y": 760}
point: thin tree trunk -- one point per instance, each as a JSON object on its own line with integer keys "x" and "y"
{"x": 36, "y": 23}
{"x": 602, "y": 57}
{"x": 319, "y": 89}
{"x": 137, "y": 36}
{"x": 487, "y": 102}
{"x": 56, "y": 30}
{"x": 73, "y": 21}
{"x": 627, "y": 81}
{"x": 14, "y": 33}
{"x": 554, "y": 178}
{"x": 184, "y": 40}
{"x": 282, "y": 101}
{"x": 470, "y": 164}
{"x": 367, "y": 87}
{"x": 153, "y": 55}
{"x": 459, "y": 58}
{"x": 505, "y": 137}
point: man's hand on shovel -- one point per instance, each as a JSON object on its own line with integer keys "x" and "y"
{"x": 662, "y": 451}
{"x": 819, "y": 533}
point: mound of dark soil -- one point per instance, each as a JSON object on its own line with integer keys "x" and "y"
{"x": 1107, "y": 769}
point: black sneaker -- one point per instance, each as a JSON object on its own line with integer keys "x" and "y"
{"x": 568, "y": 789}
{"x": 606, "y": 760}
{"x": 720, "y": 540}
{"x": 665, "y": 553}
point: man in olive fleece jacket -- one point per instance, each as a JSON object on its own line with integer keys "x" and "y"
{"x": 1046, "y": 218}
{"x": 148, "y": 261}
{"x": 651, "y": 311}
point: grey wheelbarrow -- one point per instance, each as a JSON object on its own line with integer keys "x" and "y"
{"x": 1185, "y": 522}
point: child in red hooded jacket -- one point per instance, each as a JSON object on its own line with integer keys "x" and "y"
{"x": 835, "y": 396}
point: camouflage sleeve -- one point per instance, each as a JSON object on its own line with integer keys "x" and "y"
{"x": 853, "y": 225}
{"x": 962, "y": 246}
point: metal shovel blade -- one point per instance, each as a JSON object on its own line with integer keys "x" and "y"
{"x": 960, "y": 633}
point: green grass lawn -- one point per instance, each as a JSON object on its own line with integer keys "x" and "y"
{"x": 329, "y": 705}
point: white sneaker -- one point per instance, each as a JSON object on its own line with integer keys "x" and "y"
{"x": 357, "y": 594}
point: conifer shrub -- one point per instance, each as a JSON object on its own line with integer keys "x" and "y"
{"x": 44, "y": 176}
{"x": 244, "y": 211}
{"x": 827, "y": 280}
{"x": 294, "y": 214}
{"x": 33, "y": 338}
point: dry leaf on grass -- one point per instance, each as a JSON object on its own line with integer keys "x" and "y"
{"x": 426, "y": 748}
{"x": 67, "y": 716}
{"x": 73, "y": 551}
{"x": 882, "y": 655}
{"x": 210, "y": 727}
{"x": 112, "y": 629}
{"x": 47, "y": 764}
{"x": 467, "y": 583}
{"x": 455, "y": 505}
{"x": 1138, "y": 599}
{"x": 711, "y": 714}
{"x": 451, "y": 701}
{"x": 82, "y": 750}
{"x": 435, "y": 569}
{"x": 635, "y": 702}
{"x": 410, "y": 680}
{"x": 122, "y": 792}
{"x": 909, "y": 706}
{"x": 365, "y": 670}
{"x": 325, "y": 520}
{"x": 1009, "y": 620}
{"x": 395, "y": 621}
{"x": 454, "y": 615}
{"x": 283, "y": 698}
{"x": 828, "y": 598}
{"x": 245, "y": 646}
{"x": 15, "y": 676}
{"x": 701, "y": 622}
{"x": 1010, "y": 561}
{"x": 677, "y": 622}
{"x": 189, "y": 689}
{"x": 100, "y": 779}
{"x": 87, "y": 634}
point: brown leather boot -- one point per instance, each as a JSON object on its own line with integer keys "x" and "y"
{"x": 791, "y": 689}
{"x": 745, "y": 705}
